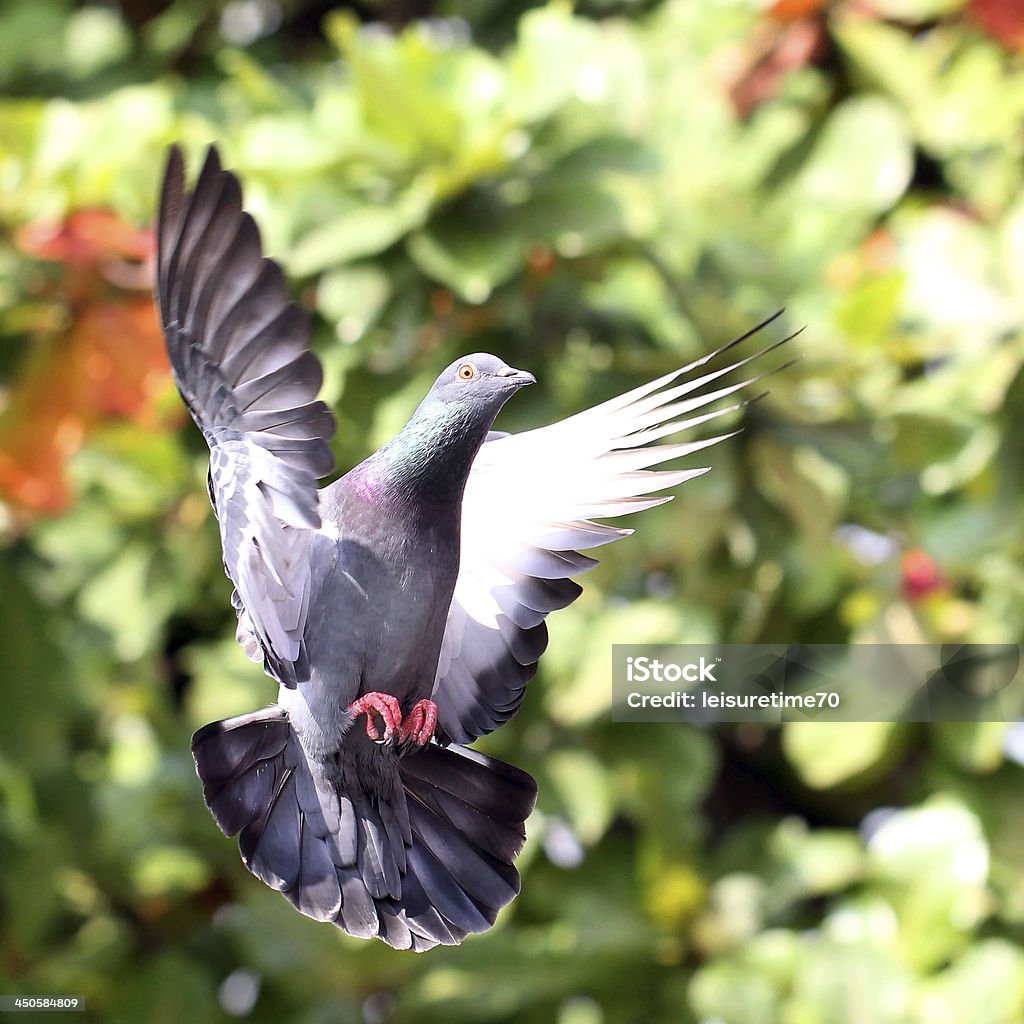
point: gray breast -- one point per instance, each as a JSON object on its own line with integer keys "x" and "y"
{"x": 382, "y": 608}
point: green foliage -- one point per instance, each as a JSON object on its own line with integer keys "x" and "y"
{"x": 600, "y": 197}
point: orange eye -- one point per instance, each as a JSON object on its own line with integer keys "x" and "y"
{"x": 467, "y": 371}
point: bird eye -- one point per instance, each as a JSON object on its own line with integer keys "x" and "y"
{"x": 467, "y": 371}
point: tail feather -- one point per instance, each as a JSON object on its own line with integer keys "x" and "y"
{"x": 499, "y": 790}
{"x": 394, "y": 930}
{"x": 483, "y": 878}
{"x": 328, "y": 813}
{"x": 427, "y": 925}
{"x": 395, "y": 817}
{"x": 379, "y": 861}
{"x": 446, "y": 894}
{"x": 222, "y": 749}
{"x": 489, "y": 833}
{"x": 238, "y": 762}
{"x": 317, "y": 893}
{"x": 358, "y": 912}
{"x": 267, "y": 843}
{"x": 425, "y": 860}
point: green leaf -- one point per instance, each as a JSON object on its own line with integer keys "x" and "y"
{"x": 869, "y": 310}
{"x": 400, "y": 83}
{"x": 469, "y": 257}
{"x": 574, "y": 218}
{"x": 163, "y": 870}
{"x": 985, "y": 985}
{"x": 973, "y": 746}
{"x": 916, "y": 11}
{"x": 38, "y": 703}
{"x": 362, "y": 230}
{"x": 859, "y": 166}
{"x": 814, "y": 862}
{"x": 826, "y": 754}
{"x": 170, "y": 986}
{"x": 932, "y": 862}
{"x": 353, "y": 298}
{"x": 130, "y": 599}
{"x": 581, "y": 785}
{"x": 555, "y": 58}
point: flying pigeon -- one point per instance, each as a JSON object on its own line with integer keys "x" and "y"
{"x": 412, "y": 591}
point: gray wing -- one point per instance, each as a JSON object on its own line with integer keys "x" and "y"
{"x": 528, "y": 511}
{"x": 241, "y": 358}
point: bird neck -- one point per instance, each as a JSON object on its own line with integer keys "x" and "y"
{"x": 429, "y": 460}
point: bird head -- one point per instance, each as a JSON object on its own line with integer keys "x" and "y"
{"x": 479, "y": 380}
{"x": 468, "y": 395}
{"x": 441, "y": 439}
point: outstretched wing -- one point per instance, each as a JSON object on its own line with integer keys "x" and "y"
{"x": 527, "y": 513}
{"x": 240, "y": 353}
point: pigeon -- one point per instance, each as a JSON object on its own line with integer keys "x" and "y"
{"x": 401, "y": 609}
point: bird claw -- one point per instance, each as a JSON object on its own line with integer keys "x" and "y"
{"x": 386, "y": 708}
{"x": 416, "y": 728}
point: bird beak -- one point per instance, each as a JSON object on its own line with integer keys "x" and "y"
{"x": 521, "y": 377}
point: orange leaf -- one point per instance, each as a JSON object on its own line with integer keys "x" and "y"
{"x": 108, "y": 362}
{"x": 86, "y": 238}
{"x": 790, "y": 10}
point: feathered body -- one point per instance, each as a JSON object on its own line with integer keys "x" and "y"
{"x": 391, "y": 534}
{"x": 413, "y": 589}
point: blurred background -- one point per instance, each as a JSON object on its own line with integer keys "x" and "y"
{"x": 598, "y": 194}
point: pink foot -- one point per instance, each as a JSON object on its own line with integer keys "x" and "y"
{"x": 384, "y": 706}
{"x": 418, "y": 725}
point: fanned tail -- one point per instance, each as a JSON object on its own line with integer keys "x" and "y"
{"x": 424, "y": 861}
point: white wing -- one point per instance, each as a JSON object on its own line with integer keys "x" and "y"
{"x": 529, "y": 508}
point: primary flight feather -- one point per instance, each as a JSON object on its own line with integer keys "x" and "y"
{"x": 413, "y": 590}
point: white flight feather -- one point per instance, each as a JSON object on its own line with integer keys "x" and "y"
{"x": 539, "y": 490}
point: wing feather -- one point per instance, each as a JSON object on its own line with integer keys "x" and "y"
{"x": 528, "y": 513}
{"x": 241, "y": 358}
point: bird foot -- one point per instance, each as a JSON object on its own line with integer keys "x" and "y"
{"x": 416, "y": 728}
{"x": 382, "y": 706}
{"x": 418, "y": 725}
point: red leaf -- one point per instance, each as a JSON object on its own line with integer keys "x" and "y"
{"x": 1001, "y": 19}
{"x": 920, "y": 575}
{"x": 777, "y": 48}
